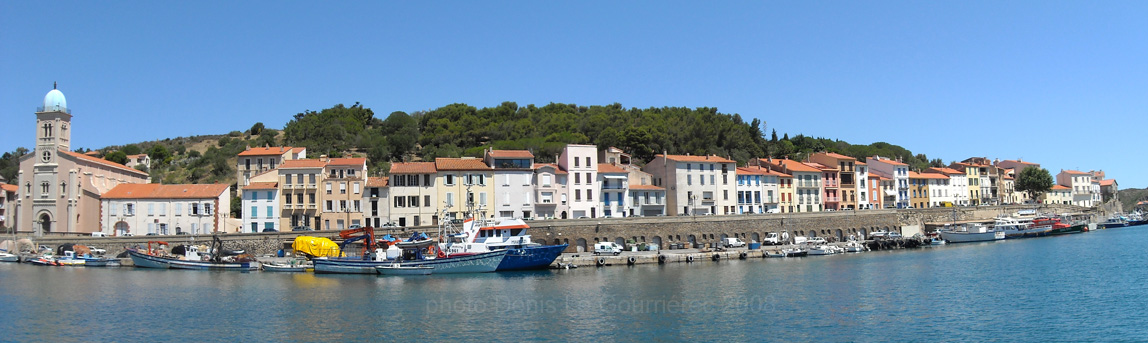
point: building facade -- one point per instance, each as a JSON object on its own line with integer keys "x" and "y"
{"x": 550, "y": 192}
{"x": 581, "y": 162}
{"x": 695, "y": 185}
{"x": 513, "y": 182}
{"x": 413, "y": 194}
{"x": 141, "y": 209}
{"x": 1079, "y": 184}
{"x": 846, "y": 177}
{"x": 615, "y": 191}
{"x": 377, "y": 211}
{"x": 895, "y": 171}
{"x": 254, "y": 161}
{"x": 261, "y": 207}
{"x": 298, "y": 184}
{"x": 467, "y": 185}
{"x": 342, "y": 196}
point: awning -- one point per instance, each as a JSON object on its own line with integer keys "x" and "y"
{"x": 615, "y": 176}
{"x": 891, "y": 193}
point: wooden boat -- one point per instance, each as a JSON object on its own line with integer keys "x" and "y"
{"x": 285, "y": 268}
{"x": 190, "y": 260}
{"x": 397, "y": 269}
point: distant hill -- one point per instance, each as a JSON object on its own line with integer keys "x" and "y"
{"x": 461, "y": 130}
{"x": 1129, "y": 197}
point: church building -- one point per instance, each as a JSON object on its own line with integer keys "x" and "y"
{"x": 59, "y": 190}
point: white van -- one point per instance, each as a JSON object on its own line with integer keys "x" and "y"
{"x": 733, "y": 242}
{"x": 607, "y": 248}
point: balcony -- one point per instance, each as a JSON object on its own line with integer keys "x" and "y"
{"x": 832, "y": 199}
{"x": 311, "y": 207}
{"x": 831, "y": 183}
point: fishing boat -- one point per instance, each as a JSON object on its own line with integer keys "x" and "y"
{"x": 821, "y": 250}
{"x": 480, "y": 236}
{"x": 855, "y": 246}
{"x": 284, "y": 268}
{"x": 1056, "y": 226}
{"x": 414, "y": 252}
{"x": 191, "y": 259}
{"x": 1115, "y": 221}
{"x": 794, "y": 252}
{"x": 970, "y": 232}
{"x": 1015, "y": 228}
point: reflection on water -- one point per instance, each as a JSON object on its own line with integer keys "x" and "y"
{"x": 1079, "y": 287}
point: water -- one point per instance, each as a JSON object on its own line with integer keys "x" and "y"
{"x": 1083, "y": 287}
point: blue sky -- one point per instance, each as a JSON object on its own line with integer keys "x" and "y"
{"x": 1058, "y": 83}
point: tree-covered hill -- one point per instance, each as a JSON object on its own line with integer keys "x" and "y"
{"x": 462, "y": 130}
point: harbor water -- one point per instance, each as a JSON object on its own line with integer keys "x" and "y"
{"x": 1082, "y": 287}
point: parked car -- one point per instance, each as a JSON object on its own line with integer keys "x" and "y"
{"x": 733, "y": 242}
{"x": 99, "y": 234}
{"x": 302, "y": 228}
{"x": 152, "y": 234}
{"x": 270, "y": 230}
{"x": 815, "y": 240}
{"x": 607, "y": 248}
{"x": 355, "y": 226}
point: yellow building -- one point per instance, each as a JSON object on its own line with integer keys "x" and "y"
{"x": 342, "y": 194}
{"x": 465, "y": 184}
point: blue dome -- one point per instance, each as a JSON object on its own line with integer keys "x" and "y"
{"x": 55, "y": 102}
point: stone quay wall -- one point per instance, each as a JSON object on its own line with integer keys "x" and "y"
{"x": 581, "y": 234}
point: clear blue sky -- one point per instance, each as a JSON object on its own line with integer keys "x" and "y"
{"x": 1064, "y": 84}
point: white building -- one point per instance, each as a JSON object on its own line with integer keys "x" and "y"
{"x": 581, "y": 162}
{"x": 896, "y": 171}
{"x": 134, "y": 160}
{"x": 807, "y": 183}
{"x": 377, "y": 211}
{"x": 958, "y": 184}
{"x": 696, "y": 185}
{"x": 863, "y": 186}
{"x": 413, "y": 197}
{"x": 140, "y": 209}
{"x": 513, "y": 182}
{"x": 1080, "y": 185}
{"x": 750, "y": 187}
{"x": 261, "y": 207}
{"x": 615, "y": 190}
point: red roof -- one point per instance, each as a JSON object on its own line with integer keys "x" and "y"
{"x": 271, "y": 151}
{"x": 751, "y": 171}
{"x": 795, "y": 166}
{"x": 132, "y": 157}
{"x": 888, "y": 161}
{"x": 1021, "y": 162}
{"x": 92, "y": 153}
{"x": 261, "y": 185}
{"x": 9, "y": 188}
{"x": 820, "y": 166}
{"x": 511, "y": 154}
{"x": 646, "y": 188}
{"x": 916, "y": 175}
{"x": 413, "y": 168}
{"x": 1059, "y": 188}
{"x": 350, "y": 161}
{"x": 290, "y": 164}
{"x": 557, "y": 170}
{"x": 876, "y": 177}
{"x": 377, "y": 181}
{"x": 104, "y": 162}
{"x": 610, "y": 168}
{"x": 446, "y": 163}
{"x": 838, "y": 156}
{"x": 691, "y": 158}
{"x": 1075, "y": 172}
{"x": 158, "y": 191}
{"x": 947, "y": 171}
{"x": 1107, "y": 182}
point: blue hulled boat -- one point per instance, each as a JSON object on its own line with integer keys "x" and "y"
{"x": 510, "y": 235}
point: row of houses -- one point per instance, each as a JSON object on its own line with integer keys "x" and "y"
{"x": 281, "y": 189}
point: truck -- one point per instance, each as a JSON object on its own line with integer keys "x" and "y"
{"x": 607, "y": 248}
{"x": 772, "y": 238}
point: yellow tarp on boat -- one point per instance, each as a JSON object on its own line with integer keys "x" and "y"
{"x": 315, "y": 246}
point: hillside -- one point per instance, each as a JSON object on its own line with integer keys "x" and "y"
{"x": 461, "y": 130}
{"x": 1129, "y": 197}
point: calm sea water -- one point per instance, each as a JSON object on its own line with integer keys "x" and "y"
{"x": 1084, "y": 287}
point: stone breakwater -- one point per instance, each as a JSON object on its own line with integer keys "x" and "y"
{"x": 581, "y": 234}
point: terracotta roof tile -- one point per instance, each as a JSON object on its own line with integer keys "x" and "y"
{"x": 876, "y": 177}
{"x": 132, "y": 157}
{"x": 795, "y": 166}
{"x": 378, "y": 181}
{"x": 92, "y": 153}
{"x": 916, "y": 175}
{"x": 947, "y": 171}
{"x": 691, "y": 158}
{"x": 297, "y": 150}
{"x": 889, "y": 161}
{"x": 838, "y": 156}
{"x": 646, "y": 188}
{"x": 261, "y": 151}
{"x": 1107, "y": 182}
{"x": 511, "y": 154}
{"x": 610, "y": 169}
{"x": 349, "y": 161}
{"x": 261, "y": 185}
{"x": 1075, "y": 172}
{"x": 445, "y": 163}
{"x": 413, "y": 168}
{"x": 751, "y": 171}
{"x": 557, "y": 170}
{"x": 104, "y": 162}
{"x": 158, "y": 191}
{"x": 291, "y": 164}
{"x": 9, "y": 188}
{"x": 1059, "y": 188}
{"x": 820, "y": 166}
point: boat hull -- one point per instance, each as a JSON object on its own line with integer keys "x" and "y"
{"x": 400, "y": 270}
{"x": 476, "y": 263}
{"x": 968, "y": 237}
{"x": 9, "y": 258}
{"x": 1067, "y": 230}
{"x": 531, "y": 258}
{"x": 147, "y": 261}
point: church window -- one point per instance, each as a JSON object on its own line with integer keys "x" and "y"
{"x": 44, "y": 190}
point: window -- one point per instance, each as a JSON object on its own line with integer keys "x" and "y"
{"x": 343, "y": 188}
{"x": 327, "y": 206}
{"x": 129, "y": 209}
{"x": 482, "y": 198}
{"x": 151, "y": 209}
{"x": 328, "y": 188}
{"x": 299, "y": 178}
{"x": 577, "y": 179}
{"x": 356, "y": 187}
{"x": 427, "y": 180}
{"x": 269, "y": 214}
{"x": 589, "y": 195}
{"x": 545, "y": 180}
{"x": 575, "y": 161}
{"x": 505, "y": 198}
{"x": 588, "y": 164}
{"x": 577, "y": 195}
{"x": 287, "y": 179}
{"x": 358, "y": 206}
{"x": 506, "y": 179}
{"x": 342, "y": 206}
{"x": 450, "y": 199}
{"x": 702, "y": 179}
{"x": 269, "y": 196}
{"x": 44, "y": 189}
{"x": 725, "y": 194}
{"x": 207, "y": 208}
{"x": 254, "y": 212}
{"x": 413, "y": 201}
{"x": 426, "y": 201}
{"x": 589, "y": 180}
{"x": 448, "y": 180}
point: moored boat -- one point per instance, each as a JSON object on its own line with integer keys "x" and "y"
{"x": 1015, "y": 228}
{"x": 479, "y": 236}
{"x": 1056, "y": 226}
{"x": 970, "y": 232}
{"x": 284, "y": 268}
{"x": 794, "y": 252}
{"x": 1115, "y": 221}
{"x": 6, "y": 257}
{"x": 398, "y": 269}
{"x": 191, "y": 259}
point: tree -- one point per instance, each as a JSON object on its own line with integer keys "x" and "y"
{"x": 236, "y": 207}
{"x": 1034, "y": 182}
{"x": 117, "y": 157}
{"x": 257, "y": 129}
{"x": 131, "y": 149}
{"x": 158, "y": 154}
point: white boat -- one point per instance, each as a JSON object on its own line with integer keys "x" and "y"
{"x": 972, "y": 232}
{"x": 794, "y": 252}
{"x": 820, "y": 250}
{"x": 397, "y": 269}
{"x": 937, "y": 241}
{"x": 6, "y": 257}
{"x": 854, "y": 246}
